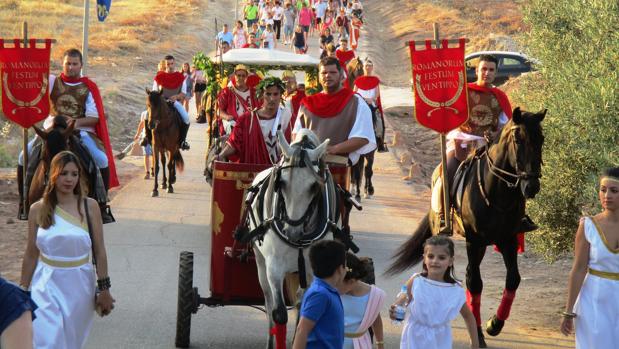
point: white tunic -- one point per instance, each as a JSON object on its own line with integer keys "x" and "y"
{"x": 65, "y": 295}
{"x": 429, "y": 315}
{"x": 597, "y": 306}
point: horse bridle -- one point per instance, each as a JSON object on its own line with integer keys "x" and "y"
{"x": 503, "y": 175}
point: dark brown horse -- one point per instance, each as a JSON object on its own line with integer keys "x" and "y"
{"x": 163, "y": 123}
{"x": 498, "y": 183}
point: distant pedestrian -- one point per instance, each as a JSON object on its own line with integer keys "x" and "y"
{"x": 278, "y": 16}
{"x": 251, "y": 13}
{"x": 593, "y": 286}
{"x": 268, "y": 38}
{"x": 321, "y": 324}
{"x": 225, "y": 35}
{"x": 434, "y": 299}
{"x": 142, "y": 140}
{"x": 199, "y": 86}
{"x": 186, "y": 70}
{"x": 305, "y": 19}
{"x": 299, "y": 43}
{"x": 289, "y": 21}
{"x": 239, "y": 35}
{"x": 362, "y": 304}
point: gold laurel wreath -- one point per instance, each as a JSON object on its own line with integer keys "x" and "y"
{"x": 439, "y": 105}
{"x": 22, "y": 104}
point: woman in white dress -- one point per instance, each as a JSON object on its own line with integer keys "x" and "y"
{"x": 56, "y": 266}
{"x": 593, "y": 284}
{"x": 435, "y": 300}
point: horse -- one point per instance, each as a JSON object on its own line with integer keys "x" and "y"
{"x": 366, "y": 161}
{"x": 496, "y": 182}
{"x": 163, "y": 124}
{"x": 294, "y": 204}
{"x": 61, "y": 137}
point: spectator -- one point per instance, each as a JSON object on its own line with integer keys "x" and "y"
{"x": 342, "y": 22}
{"x": 321, "y": 8}
{"x": 142, "y": 140}
{"x": 321, "y": 324}
{"x": 16, "y": 315}
{"x": 199, "y": 86}
{"x": 325, "y": 39}
{"x": 289, "y": 19}
{"x": 252, "y": 42}
{"x": 251, "y": 13}
{"x": 189, "y": 85}
{"x": 305, "y": 19}
{"x": 278, "y": 16}
{"x": 268, "y": 38}
{"x": 56, "y": 264}
{"x": 362, "y": 304}
{"x": 239, "y": 35}
{"x": 327, "y": 21}
{"x": 299, "y": 43}
{"x": 225, "y": 35}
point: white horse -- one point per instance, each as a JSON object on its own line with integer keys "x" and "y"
{"x": 295, "y": 206}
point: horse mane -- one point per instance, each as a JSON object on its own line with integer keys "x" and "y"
{"x": 355, "y": 70}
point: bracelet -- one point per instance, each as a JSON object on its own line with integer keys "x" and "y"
{"x": 104, "y": 284}
{"x": 379, "y": 342}
{"x": 567, "y": 315}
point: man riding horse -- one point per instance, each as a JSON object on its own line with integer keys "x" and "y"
{"x": 489, "y": 111}
{"x": 77, "y": 98}
{"x": 340, "y": 115}
{"x": 173, "y": 84}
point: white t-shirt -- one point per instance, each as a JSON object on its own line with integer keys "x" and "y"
{"x": 90, "y": 110}
{"x": 278, "y": 13}
{"x": 362, "y": 128}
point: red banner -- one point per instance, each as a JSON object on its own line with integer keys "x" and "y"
{"x": 439, "y": 82}
{"x": 25, "y": 82}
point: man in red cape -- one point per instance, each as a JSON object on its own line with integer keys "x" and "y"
{"x": 254, "y": 138}
{"x": 293, "y": 95}
{"x": 235, "y": 99}
{"x": 343, "y": 117}
{"x": 343, "y": 54}
{"x": 78, "y": 98}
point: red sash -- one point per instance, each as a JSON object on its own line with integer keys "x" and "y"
{"x": 170, "y": 80}
{"x": 101, "y": 127}
{"x": 500, "y": 96}
{"x": 326, "y": 105}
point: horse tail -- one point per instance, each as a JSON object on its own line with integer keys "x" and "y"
{"x": 178, "y": 160}
{"x": 411, "y": 252}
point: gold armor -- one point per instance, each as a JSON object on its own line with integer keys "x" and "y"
{"x": 484, "y": 111}
{"x": 67, "y": 100}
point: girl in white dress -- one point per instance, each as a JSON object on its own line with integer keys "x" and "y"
{"x": 593, "y": 284}
{"x": 435, "y": 299}
{"x": 56, "y": 264}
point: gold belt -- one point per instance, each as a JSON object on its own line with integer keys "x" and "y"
{"x": 354, "y": 335}
{"x": 604, "y": 274}
{"x": 64, "y": 264}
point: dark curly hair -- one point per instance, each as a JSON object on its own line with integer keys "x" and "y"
{"x": 356, "y": 268}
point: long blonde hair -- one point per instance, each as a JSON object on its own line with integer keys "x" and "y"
{"x": 50, "y": 200}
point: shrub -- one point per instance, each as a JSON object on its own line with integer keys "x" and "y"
{"x": 577, "y": 43}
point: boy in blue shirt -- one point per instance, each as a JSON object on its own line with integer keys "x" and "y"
{"x": 322, "y": 314}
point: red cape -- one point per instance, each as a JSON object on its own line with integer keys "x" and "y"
{"x": 295, "y": 100}
{"x": 344, "y": 56}
{"x": 170, "y": 80}
{"x": 326, "y": 105}
{"x": 501, "y": 97}
{"x": 101, "y": 127}
{"x": 248, "y": 141}
{"x": 366, "y": 82}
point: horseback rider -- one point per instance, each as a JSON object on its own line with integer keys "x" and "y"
{"x": 254, "y": 138}
{"x": 489, "y": 111}
{"x": 235, "y": 99}
{"x": 293, "y": 94}
{"x": 173, "y": 85}
{"x": 340, "y": 115}
{"x": 76, "y": 97}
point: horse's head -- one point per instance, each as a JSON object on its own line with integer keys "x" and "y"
{"x": 57, "y": 138}
{"x": 300, "y": 181}
{"x": 154, "y": 102}
{"x": 355, "y": 70}
{"x": 522, "y": 138}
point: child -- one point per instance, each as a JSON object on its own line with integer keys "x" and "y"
{"x": 362, "y": 304}
{"x": 435, "y": 298}
{"x": 268, "y": 38}
{"x": 322, "y": 316}
{"x": 299, "y": 41}
{"x": 140, "y": 137}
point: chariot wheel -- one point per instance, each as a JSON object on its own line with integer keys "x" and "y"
{"x": 187, "y": 304}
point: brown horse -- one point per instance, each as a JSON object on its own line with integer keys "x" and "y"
{"x": 163, "y": 123}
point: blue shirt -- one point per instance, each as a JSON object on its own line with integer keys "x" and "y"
{"x": 322, "y": 304}
{"x": 227, "y": 37}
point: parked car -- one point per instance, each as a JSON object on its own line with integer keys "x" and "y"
{"x": 511, "y": 64}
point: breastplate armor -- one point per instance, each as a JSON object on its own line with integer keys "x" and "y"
{"x": 67, "y": 100}
{"x": 484, "y": 111}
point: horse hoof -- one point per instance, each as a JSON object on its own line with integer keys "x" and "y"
{"x": 482, "y": 340}
{"x": 170, "y": 190}
{"x": 494, "y": 326}
{"x": 154, "y": 193}
{"x": 164, "y": 186}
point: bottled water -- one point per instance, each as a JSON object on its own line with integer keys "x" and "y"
{"x": 401, "y": 301}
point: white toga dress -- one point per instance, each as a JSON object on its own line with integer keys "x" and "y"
{"x": 429, "y": 314}
{"x": 597, "y": 306}
{"x": 65, "y": 293}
